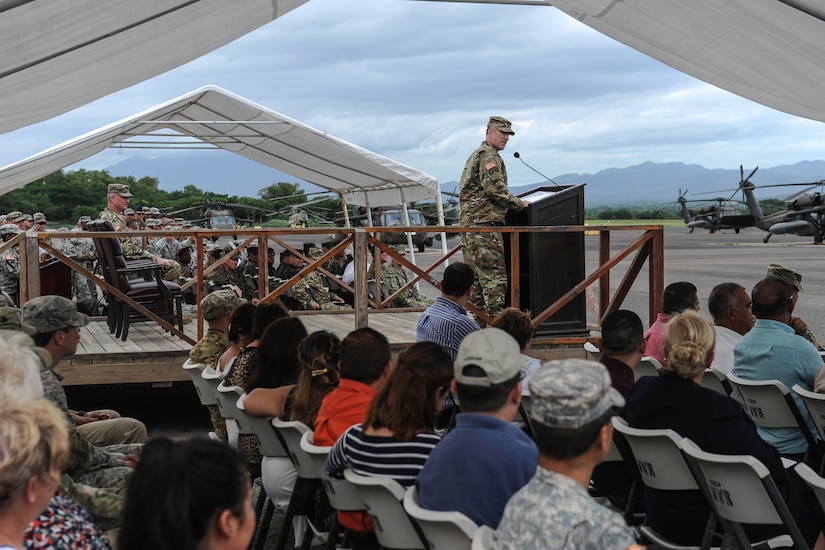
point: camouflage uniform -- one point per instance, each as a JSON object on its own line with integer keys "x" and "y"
{"x": 394, "y": 277}
{"x": 485, "y": 200}
{"x": 166, "y": 248}
{"x": 207, "y": 351}
{"x": 132, "y": 250}
{"x": 335, "y": 266}
{"x": 82, "y": 250}
{"x": 312, "y": 289}
{"x": 222, "y": 276}
{"x": 10, "y": 272}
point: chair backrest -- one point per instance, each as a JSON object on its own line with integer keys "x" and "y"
{"x": 771, "y": 405}
{"x": 648, "y": 366}
{"x": 658, "y": 457}
{"x": 443, "y": 530}
{"x": 717, "y": 381}
{"x": 815, "y": 404}
{"x": 383, "y": 501}
{"x": 268, "y": 441}
{"x": 290, "y": 433}
{"x": 204, "y": 388}
{"x": 342, "y": 494}
{"x": 227, "y": 403}
{"x": 592, "y": 352}
{"x": 742, "y": 491}
{"x": 483, "y": 539}
{"x": 109, "y": 254}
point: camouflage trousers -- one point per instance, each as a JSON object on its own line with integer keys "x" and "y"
{"x": 110, "y": 477}
{"x": 484, "y": 252}
{"x": 328, "y": 306}
{"x": 105, "y": 505}
{"x": 83, "y": 288}
{"x": 218, "y": 421}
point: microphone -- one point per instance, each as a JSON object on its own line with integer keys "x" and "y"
{"x": 537, "y": 172}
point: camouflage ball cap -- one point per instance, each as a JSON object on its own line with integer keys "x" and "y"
{"x": 501, "y": 124}
{"x": 9, "y": 229}
{"x": 219, "y": 304}
{"x": 11, "y": 318}
{"x": 315, "y": 252}
{"x": 399, "y": 248}
{"x": 119, "y": 189}
{"x": 493, "y": 351}
{"x": 51, "y": 313}
{"x": 15, "y": 217}
{"x": 39, "y": 217}
{"x": 570, "y": 393}
{"x": 787, "y": 275}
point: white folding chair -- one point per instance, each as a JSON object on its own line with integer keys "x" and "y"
{"x": 204, "y": 389}
{"x": 743, "y": 492}
{"x": 443, "y": 530}
{"x": 228, "y": 404}
{"x": 717, "y": 381}
{"x": 382, "y": 499}
{"x": 648, "y": 366}
{"x": 771, "y": 405}
{"x": 816, "y": 482}
{"x": 591, "y": 351}
{"x": 342, "y": 494}
{"x": 483, "y": 539}
{"x": 815, "y": 405}
{"x": 658, "y": 457}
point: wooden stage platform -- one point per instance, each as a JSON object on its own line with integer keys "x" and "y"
{"x": 153, "y": 356}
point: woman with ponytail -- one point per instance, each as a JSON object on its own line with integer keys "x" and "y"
{"x": 715, "y": 422}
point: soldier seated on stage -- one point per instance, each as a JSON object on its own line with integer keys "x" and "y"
{"x": 10, "y": 270}
{"x": 228, "y": 274}
{"x": 313, "y": 292}
{"x": 393, "y": 277}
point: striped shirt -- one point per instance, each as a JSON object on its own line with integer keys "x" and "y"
{"x": 446, "y": 323}
{"x": 371, "y": 455}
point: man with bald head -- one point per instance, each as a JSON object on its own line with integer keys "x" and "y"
{"x": 773, "y": 351}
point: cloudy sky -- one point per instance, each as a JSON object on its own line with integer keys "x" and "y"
{"x": 416, "y": 82}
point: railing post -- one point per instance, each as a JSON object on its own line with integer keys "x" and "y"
{"x": 29, "y": 269}
{"x": 360, "y": 251}
{"x": 604, "y": 281}
{"x": 656, "y": 274}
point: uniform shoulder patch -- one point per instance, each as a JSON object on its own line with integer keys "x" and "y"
{"x": 490, "y": 165}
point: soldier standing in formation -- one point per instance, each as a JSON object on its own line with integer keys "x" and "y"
{"x": 485, "y": 200}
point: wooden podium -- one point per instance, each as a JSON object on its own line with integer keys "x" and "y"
{"x": 55, "y": 278}
{"x": 552, "y": 263}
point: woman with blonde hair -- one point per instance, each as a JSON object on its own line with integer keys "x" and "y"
{"x": 715, "y": 422}
{"x": 34, "y": 447}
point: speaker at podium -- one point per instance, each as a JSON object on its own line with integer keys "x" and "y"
{"x": 550, "y": 264}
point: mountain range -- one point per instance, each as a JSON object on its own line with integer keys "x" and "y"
{"x": 646, "y": 183}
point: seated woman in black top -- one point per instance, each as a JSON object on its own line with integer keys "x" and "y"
{"x": 716, "y": 423}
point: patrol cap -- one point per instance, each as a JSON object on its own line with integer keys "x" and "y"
{"x": 219, "y": 304}
{"x": 84, "y": 219}
{"x": 119, "y": 189}
{"x": 501, "y": 124}
{"x": 787, "y": 275}
{"x": 15, "y": 216}
{"x": 129, "y": 211}
{"x": 569, "y": 393}
{"x": 12, "y": 319}
{"x": 9, "y": 229}
{"x": 39, "y": 217}
{"x": 28, "y": 217}
{"x": 399, "y": 248}
{"x": 50, "y": 313}
{"x": 154, "y": 211}
{"x": 151, "y": 222}
{"x": 493, "y": 351}
{"x": 315, "y": 252}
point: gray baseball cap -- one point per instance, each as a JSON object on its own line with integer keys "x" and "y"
{"x": 50, "y": 313}
{"x": 219, "y": 304}
{"x": 12, "y": 319}
{"x": 493, "y": 351}
{"x": 569, "y": 393}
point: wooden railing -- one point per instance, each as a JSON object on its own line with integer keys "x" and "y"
{"x": 648, "y": 248}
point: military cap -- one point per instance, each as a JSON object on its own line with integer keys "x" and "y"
{"x": 787, "y": 275}
{"x": 399, "y": 248}
{"x": 84, "y": 219}
{"x": 2, "y": 218}
{"x": 15, "y": 216}
{"x": 187, "y": 224}
{"x": 219, "y": 304}
{"x": 151, "y": 222}
{"x": 155, "y": 211}
{"x": 569, "y": 393}
{"x": 315, "y": 252}
{"x": 39, "y": 217}
{"x": 12, "y": 319}
{"x": 493, "y": 351}
{"x": 50, "y": 313}
{"x": 139, "y": 208}
{"x": 501, "y": 124}
{"x": 119, "y": 189}
{"x": 129, "y": 211}
{"x": 28, "y": 217}
{"x": 9, "y": 229}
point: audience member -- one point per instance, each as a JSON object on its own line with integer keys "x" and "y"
{"x": 730, "y": 306}
{"x": 519, "y": 325}
{"x": 240, "y": 334}
{"x": 772, "y": 351}
{"x": 397, "y": 434}
{"x": 794, "y": 279}
{"x": 713, "y": 421}
{"x": 622, "y": 346}
{"x": 446, "y": 322}
{"x": 188, "y": 495}
{"x": 485, "y": 444}
{"x": 676, "y": 298}
{"x": 572, "y": 402}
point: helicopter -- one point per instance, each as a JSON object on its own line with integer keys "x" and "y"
{"x": 219, "y": 215}
{"x": 713, "y": 217}
{"x": 804, "y": 212}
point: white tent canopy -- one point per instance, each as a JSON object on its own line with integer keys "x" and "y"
{"x": 213, "y": 117}
{"x": 57, "y": 55}
{"x": 768, "y": 51}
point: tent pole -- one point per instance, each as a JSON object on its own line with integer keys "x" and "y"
{"x": 439, "y": 206}
{"x": 343, "y": 199}
{"x": 409, "y": 236}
